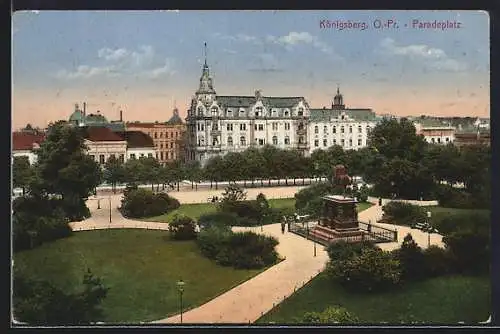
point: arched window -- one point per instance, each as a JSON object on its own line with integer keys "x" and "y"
{"x": 341, "y": 129}
{"x": 275, "y": 140}
{"x": 433, "y": 141}
{"x": 201, "y": 141}
{"x": 286, "y": 113}
{"x": 360, "y": 129}
{"x": 301, "y": 140}
{"x": 316, "y": 129}
{"x": 287, "y": 140}
{"x": 215, "y": 141}
{"x": 350, "y": 129}
{"x": 243, "y": 141}
{"x": 301, "y": 111}
{"x": 229, "y": 141}
{"x": 334, "y": 129}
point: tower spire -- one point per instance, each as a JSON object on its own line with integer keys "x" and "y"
{"x": 205, "y": 53}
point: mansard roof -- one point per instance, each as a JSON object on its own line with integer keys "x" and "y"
{"x": 137, "y": 139}
{"x": 247, "y": 101}
{"x": 324, "y": 115}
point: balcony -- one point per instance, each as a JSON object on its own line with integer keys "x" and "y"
{"x": 302, "y": 131}
{"x": 215, "y": 132}
{"x": 303, "y": 146}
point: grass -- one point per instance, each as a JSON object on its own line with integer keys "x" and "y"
{"x": 438, "y": 212}
{"x": 140, "y": 267}
{"x": 196, "y": 210}
{"x": 442, "y": 300}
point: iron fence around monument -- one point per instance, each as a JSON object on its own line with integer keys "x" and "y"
{"x": 374, "y": 233}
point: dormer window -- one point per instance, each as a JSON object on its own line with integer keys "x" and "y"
{"x": 286, "y": 113}
{"x": 229, "y": 112}
{"x": 200, "y": 111}
{"x": 214, "y": 111}
{"x": 343, "y": 116}
{"x": 242, "y": 112}
{"x": 301, "y": 111}
{"x": 258, "y": 111}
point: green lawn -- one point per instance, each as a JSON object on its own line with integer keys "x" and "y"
{"x": 140, "y": 267}
{"x": 445, "y": 300}
{"x": 196, "y": 210}
{"x": 438, "y": 212}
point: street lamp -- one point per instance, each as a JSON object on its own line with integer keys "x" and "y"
{"x": 314, "y": 240}
{"x": 262, "y": 205}
{"x": 110, "y": 209}
{"x": 429, "y": 215}
{"x": 180, "y": 287}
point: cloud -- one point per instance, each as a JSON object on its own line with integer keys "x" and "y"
{"x": 238, "y": 38}
{"x": 295, "y": 38}
{"x": 120, "y": 61}
{"x": 434, "y": 57}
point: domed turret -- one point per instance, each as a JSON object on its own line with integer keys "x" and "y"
{"x": 338, "y": 101}
{"x": 76, "y": 117}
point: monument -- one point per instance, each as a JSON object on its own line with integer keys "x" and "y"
{"x": 339, "y": 219}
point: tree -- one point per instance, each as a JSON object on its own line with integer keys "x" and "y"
{"x": 135, "y": 171}
{"x": 64, "y": 169}
{"x": 182, "y": 228}
{"x": 233, "y": 193}
{"x": 151, "y": 168}
{"x": 114, "y": 172}
{"x": 214, "y": 170}
{"x": 22, "y": 173}
{"x": 412, "y": 260}
{"x": 254, "y": 163}
{"x": 39, "y": 302}
{"x": 193, "y": 172}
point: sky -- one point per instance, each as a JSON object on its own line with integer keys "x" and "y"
{"x": 148, "y": 62}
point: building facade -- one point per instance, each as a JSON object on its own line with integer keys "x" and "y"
{"x": 338, "y": 125}
{"x": 139, "y": 144}
{"x": 25, "y": 144}
{"x": 167, "y": 137}
{"x": 80, "y": 118}
{"x": 218, "y": 124}
{"x": 435, "y": 132}
{"x": 102, "y": 144}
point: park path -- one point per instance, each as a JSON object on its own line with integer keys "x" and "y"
{"x": 250, "y": 300}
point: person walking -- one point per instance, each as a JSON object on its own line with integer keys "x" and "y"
{"x": 380, "y": 201}
{"x": 283, "y": 227}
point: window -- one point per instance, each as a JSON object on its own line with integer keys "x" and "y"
{"x": 122, "y": 158}
{"x": 229, "y": 112}
{"x": 242, "y": 112}
{"x": 273, "y": 112}
{"x": 171, "y": 145}
{"x": 433, "y": 141}
{"x": 229, "y": 127}
{"x": 368, "y": 129}
{"x": 335, "y": 142}
{"x": 132, "y": 156}
{"x": 360, "y": 129}
{"x": 341, "y": 129}
{"x": 334, "y": 129}
{"x": 161, "y": 146}
{"x": 201, "y": 141}
{"x": 142, "y": 155}
{"x": 243, "y": 127}
{"x": 215, "y": 127}
{"x": 92, "y": 157}
{"x": 261, "y": 142}
{"x": 301, "y": 140}
{"x": 447, "y": 139}
{"x": 301, "y": 126}
{"x": 156, "y": 155}
{"x": 286, "y": 113}
{"x": 101, "y": 159}
{"x": 156, "y": 135}
{"x": 161, "y": 134}
{"x": 215, "y": 142}
{"x": 343, "y": 116}
{"x": 255, "y": 127}
{"x": 200, "y": 113}
{"x": 275, "y": 126}
{"x": 258, "y": 111}
{"x": 287, "y": 126}
{"x": 112, "y": 156}
{"x": 342, "y": 142}
{"x": 316, "y": 143}
{"x": 275, "y": 140}
{"x": 316, "y": 129}
{"x": 161, "y": 155}
{"x": 229, "y": 141}
{"x": 243, "y": 141}
{"x": 359, "y": 142}
{"x": 325, "y": 142}
{"x": 439, "y": 140}
{"x": 301, "y": 112}
{"x": 350, "y": 129}
{"x": 350, "y": 142}
{"x": 287, "y": 140}
{"x": 261, "y": 127}
{"x": 325, "y": 129}
{"x": 214, "y": 111}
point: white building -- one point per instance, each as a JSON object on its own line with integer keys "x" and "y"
{"x": 435, "y": 131}
{"x": 25, "y": 144}
{"x": 217, "y": 124}
{"x": 102, "y": 144}
{"x": 139, "y": 144}
{"x": 346, "y": 127}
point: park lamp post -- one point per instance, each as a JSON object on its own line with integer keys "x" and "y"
{"x": 110, "y": 209}
{"x": 180, "y": 287}
{"x": 429, "y": 228}
{"x": 262, "y": 204}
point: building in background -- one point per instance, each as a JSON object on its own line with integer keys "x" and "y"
{"x": 338, "y": 125}
{"x": 25, "y": 143}
{"x": 80, "y": 118}
{"x": 102, "y": 144}
{"x": 435, "y": 131}
{"x": 219, "y": 124}
{"x": 472, "y": 135}
{"x": 167, "y": 137}
{"x": 139, "y": 144}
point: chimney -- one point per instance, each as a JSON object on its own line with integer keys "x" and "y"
{"x": 84, "y": 109}
{"x": 121, "y": 116}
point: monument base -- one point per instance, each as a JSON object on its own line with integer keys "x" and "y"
{"x": 351, "y": 234}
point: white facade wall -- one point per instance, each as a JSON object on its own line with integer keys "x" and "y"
{"x": 105, "y": 149}
{"x": 139, "y": 152}
{"x": 32, "y": 157}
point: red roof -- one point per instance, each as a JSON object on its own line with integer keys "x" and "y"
{"x": 24, "y": 141}
{"x": 101, "y": 134}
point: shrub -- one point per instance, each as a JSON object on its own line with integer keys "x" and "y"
{"x": 331, "y": 315}
{"x": 403, "y": 213}
{"x": 438, "y": 261}
{"x": 248, "y": 209}
{"x": 243, "y": 250}
{"x": 233, "y": 193}
{"x": 463, "y": 221}
{"x": 373, "y": 270}
{"x": 343, "y": 250}
{"x": 470, "y": 250}
{"x": 217, "y": 218}
{"x": 450, "y": 197}
{"x": 182, "y": 228}
{"x": 137, "y": 203}
{"x": 412, "y": 260}
{"x": 247, "y": 222}
{"x": 304, "y": 196}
